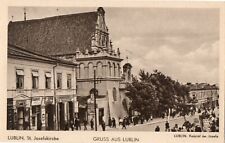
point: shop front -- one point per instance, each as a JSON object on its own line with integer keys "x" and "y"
{"x": 49, "y": 113}
{"x": 36, "y": 116}
{"x": 65, "y": 110}
{"x": 22, "y": 115}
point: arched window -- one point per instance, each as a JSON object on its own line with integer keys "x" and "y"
{"x": 81, "y": 71}
{"x": 118, "y": 68}
{"x": 114, "y": 94}
{"x": 90, "y": 70}
{"x": 99, "y": 70}
{"x": 114, "y": 70}
{"x": 110, "y": 71}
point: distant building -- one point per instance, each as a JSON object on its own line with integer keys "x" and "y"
{"x": 84, "y": 38}
{"x": 35, "y": 83}
{"x": 204, "y": 95}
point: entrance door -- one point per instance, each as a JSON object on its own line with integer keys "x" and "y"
{"x": 49, "y": 117}
{"x": 61, "y": 116}
{"x": 36, "y": 117}
{"x": 20, "y": 113}
{"x": 100, "y": 115}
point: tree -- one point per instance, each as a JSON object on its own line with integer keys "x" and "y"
{"x": 142, "y": 95}
{"x": 157, "y": 93}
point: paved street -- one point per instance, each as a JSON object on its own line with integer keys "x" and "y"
{"x": 150, "y": 126}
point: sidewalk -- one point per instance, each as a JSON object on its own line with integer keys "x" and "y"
{"x": 154, "y": 121}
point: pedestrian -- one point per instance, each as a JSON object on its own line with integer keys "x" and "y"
{"x": 198, "y": 128}
{"x": 120, "y": 121}
{"x": 78, "y": 124}
{"x": 66, "y": 126}
{"x": 92, "y": 124}
{"x": 213, "y": 127}
{"x": 176, "y": 127}
{"x": 110, "y": 122}
{"x": 142, "y": 119}
{"x": 72, "y": 125}
{"x": 103, "y": 125}
{"x": 167, "y": 126}
{"x": 124, "y": 123}
{"x": 151, "y": 117}
{"x": 127, "y": 121}
{"x": 85, "y": 124}
{"x": 157, "y": 129}
{"x": 113, "y": 123}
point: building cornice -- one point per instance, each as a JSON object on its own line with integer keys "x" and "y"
{"x": 100, "y": 79}
{"x": 100, "y": 58}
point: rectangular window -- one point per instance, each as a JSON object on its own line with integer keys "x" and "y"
{"x": 69, "y": 81}
{"x": 48, "y": 80}
{"x": 19, "y": 79}
{"x": 35, "y": 79}
{"x": 59, "y": 80}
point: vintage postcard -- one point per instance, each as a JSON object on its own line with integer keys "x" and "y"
{"x": 112, "y": 72}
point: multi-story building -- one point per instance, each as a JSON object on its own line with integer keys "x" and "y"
{"x": 41, "y": 90}
{"x": 82, "y": 37}
{"x": 204, "y": 95}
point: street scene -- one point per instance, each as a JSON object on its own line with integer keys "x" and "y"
{"x": 113, "y": 69}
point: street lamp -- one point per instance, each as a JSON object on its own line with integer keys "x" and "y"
{"x": 95, "y": 100}
{"x": 95, "y": 94}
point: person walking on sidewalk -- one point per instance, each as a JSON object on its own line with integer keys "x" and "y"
{"x": 76, "y": 123}
{"x": 157, "y": 129}
{"x": 85, "y": 124}
{"x": 103, "y": 125}
{"x": 92, "y": 124}
{"x": 124, "y": 123}
{"x": 72, "y": 125}
{"x": 167, "y": 126}
{"x": 113, "y": 123}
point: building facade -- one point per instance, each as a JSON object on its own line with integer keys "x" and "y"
{"x": 40, "y": 91}
{"x": 82, "y": 38}
{"x": 204, "y": 95}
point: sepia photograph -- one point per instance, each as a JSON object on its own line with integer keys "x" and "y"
{"x": 113, "y": 69}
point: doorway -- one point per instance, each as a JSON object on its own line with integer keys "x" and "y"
{"x": 49, "y": 116}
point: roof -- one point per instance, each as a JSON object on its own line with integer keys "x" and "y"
{"x": 127, "y": 65}
{"x": 202, "y": 86}
{"x": 56, "y": 35}
{"x": 21, "y": 53}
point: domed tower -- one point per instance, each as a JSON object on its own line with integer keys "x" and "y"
{"x": 127, "y": 76}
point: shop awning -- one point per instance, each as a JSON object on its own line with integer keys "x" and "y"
{"x": 35, "y": 73}
{"x": 48, "y": 74}
{"x": 19, "y": 72}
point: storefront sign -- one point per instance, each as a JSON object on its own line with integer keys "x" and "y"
{"x": 36, "y": 101}
{"x": 27, "y": 103}
{"x": 43, "y": 116}
{"x": 64, "y": 98}
{"x": 21, "y": 103}
{"x": 48, "y": 100}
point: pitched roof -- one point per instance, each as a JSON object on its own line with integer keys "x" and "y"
{"x": 19, "y": 52}
{"x": 54, "y": 35}
{"x": 202, "y": 86}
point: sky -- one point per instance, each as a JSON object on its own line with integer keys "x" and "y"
{"x": 182, "y": 43}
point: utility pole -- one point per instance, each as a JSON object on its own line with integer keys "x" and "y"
{"x": 25, "y": 14}
{"x": 95, "y": 100}
{"x": 54, "y": 90}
